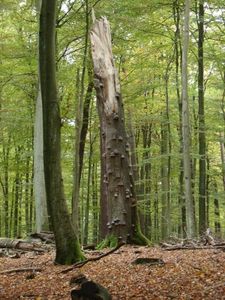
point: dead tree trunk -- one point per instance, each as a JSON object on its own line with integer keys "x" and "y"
{"x": 120, "y": 218}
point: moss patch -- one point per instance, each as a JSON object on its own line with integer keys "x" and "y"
{"x": 139, "y": 238}
{"x": 110, "y": 241}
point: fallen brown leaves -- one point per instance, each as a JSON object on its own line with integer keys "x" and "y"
{"x": 197, "y": 274}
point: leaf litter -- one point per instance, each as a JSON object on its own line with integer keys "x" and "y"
{"x": 184, "y": 275}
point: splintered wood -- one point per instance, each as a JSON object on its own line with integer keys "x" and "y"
{"x": 104, "y": 67}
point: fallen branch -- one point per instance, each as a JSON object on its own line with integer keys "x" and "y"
{"x": 19, "y": 270}
{"x": 82, "y": 263}
{"x": 169, "y": 247}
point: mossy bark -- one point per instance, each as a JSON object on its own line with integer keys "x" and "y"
{"x": 67, "y": 246}
{"x": 110, "y": 241}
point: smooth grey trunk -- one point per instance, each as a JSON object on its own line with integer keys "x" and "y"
{"x": 222, "y": 154}
{"x": 191, "y": 231}
{"x": 217, "y": 223}
{"x": 201, "y": 118}
{"x": 76, "y": 167}
{"x": 178, "y": 64}
{"x": 42, "y": 221}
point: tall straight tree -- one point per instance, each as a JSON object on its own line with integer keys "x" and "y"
{"x": 186, "y": 127}
{"x": 42, "y": 222}
{"x": 201, "y": 117}
{"x": 178, "y": 63}
{"x": 78, "y": 155}
{"x": 67, "y": 245}
{"x": 119, "y": 217}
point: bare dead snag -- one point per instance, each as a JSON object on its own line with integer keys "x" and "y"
{"x": 118, "y": 199}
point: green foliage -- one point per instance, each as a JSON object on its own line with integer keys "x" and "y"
{"x": 143, "y": 34}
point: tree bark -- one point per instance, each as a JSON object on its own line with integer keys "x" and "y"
{"x": 201, "y": 116}
{"x": 67, "y": 245}
{"x": 217, "y": 223}
{"x": 186, "y": 128}
{"x": 178, "y": 64}
{"x": 117, "y": 182}
{"x": 42, "y": 221}
{"x": 80, "y": 140}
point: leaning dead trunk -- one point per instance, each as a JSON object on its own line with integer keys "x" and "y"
{"x": 119, "y": 217}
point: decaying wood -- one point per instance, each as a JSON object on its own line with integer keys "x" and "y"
{"x": 118, "y": 196}
{"x": 82, "y": 263}
{"x": 47, "y": 237}
{"x": 168, "y": 247}
{"x": 19, "y": 270}
{"x": 20, "y": 244}
{"x": 206, "y": 241}
{"x": 104, "y": 68}
{"x": 148, "y": 261}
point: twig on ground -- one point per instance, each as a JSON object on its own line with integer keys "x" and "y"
{"x": 82, "y": 263}
{"x": 18, "y": 270}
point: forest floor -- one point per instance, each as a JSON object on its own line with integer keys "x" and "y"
{"x": 186, "y": 274}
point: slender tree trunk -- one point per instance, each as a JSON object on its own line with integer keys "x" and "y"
{"x": 178, "y": 62}
{"x": 80, "y": 139}
{"x": 156, "y": 214}
{"x": 146, "y": 179}
{"x": 67, "y": 244}
{"x": 201, "y": 115}
{"x": 222, "y": 154}
{"x": 86, "y": 107}
{"x": 17, "y": 194}
{"x": 76, "y": 164}
{"x": 5, "y": 185}
{"x": 42, "y": 221}
{"x": 186, "y": 128}
{"x": 117, "y": 178}
{"x": 27, "y": 196}
{"x": 216, "y": 212}
{"x": 95, "y": 207}
{"x": 31, "y": 205}
{"x": 87, "y": 208}
{"x": 164, "y": 179}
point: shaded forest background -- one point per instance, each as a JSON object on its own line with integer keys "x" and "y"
{"x": 147, "y": 47}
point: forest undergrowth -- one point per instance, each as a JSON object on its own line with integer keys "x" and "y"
{"x": 184, "y": 274}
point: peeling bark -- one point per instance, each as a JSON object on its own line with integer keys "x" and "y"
{"x": 118, "y": 198}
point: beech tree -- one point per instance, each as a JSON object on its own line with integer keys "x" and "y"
{"x": 118, "y": 199}
{"x": 42, "y": 222}
{"x": 67, "y": 244}
{"x": 201, "y": 117}
{"x": 186, "y": 128}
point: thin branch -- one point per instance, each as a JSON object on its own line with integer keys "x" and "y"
{"x": 65, "y": 15}
{"x": 19, "y": 270}
{"x": 82, "y": 263}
